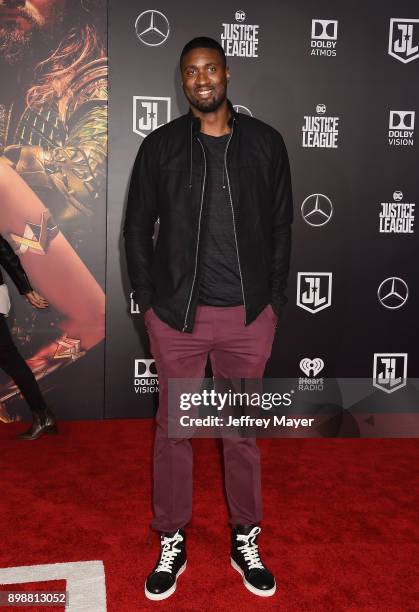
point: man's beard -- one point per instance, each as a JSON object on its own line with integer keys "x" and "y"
{"x": 208, "y": 106}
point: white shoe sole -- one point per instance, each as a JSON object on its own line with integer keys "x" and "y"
{"x": 250, "y": 587}
{"x": 167, "y": 593}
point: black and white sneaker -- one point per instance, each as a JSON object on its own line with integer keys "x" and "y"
{"x": 161, "y": 583}
{"x": 246, "y": 560}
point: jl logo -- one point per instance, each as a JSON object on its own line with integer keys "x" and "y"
{"x": 135, "y": 309}
{"x": 314, "y": 290}
{"x": 390, "y": 371}
{"x": 403, "y": 39}
{"x": 149, "y": 113}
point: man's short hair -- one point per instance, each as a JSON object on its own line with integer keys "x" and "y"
{"x": 203, "y": 42}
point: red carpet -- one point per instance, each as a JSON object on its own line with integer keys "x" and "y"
{"x": 341, "y": 528}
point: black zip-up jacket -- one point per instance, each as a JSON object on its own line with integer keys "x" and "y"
{"x": 168, "y": 182}
{"x": 11, "y": 263}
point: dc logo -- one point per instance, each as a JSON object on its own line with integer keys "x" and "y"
{"x": 403, "y": 39}
{"x": 317, "y": 210}
{"x": 152, "y": 28}
{"x": 321, "y": 109}
{"x": 149, "y": 113}
{"x": 143, "y": 368}
{"x": 243, "y": 110}
{"x": 393, "y": 293}
{"x": 397, "y": 196}
{"x": 314, "y": 291}
{"x": 240, "y": 16}
{"x": 390, "y": 371}
{"x": 402, "y": 120}
{"x": 311, "y": 367}
{"x": 324, "y": 29}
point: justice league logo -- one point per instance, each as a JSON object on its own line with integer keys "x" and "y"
{"x": 319, "y": 130}
{"x": 134, "y": 308}
{"x": 240, "y": 39}
{"x": 390, "y": 371}
{"x": 314, "y": 291}
{"x": 149, "y": 113}
{"x": 403, "y": 40}
{"x": 397, "y": 217}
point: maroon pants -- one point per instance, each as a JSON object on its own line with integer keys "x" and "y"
{"x": 236, "y": 351}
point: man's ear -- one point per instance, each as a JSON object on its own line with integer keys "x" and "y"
{"x": 228, "y": 75}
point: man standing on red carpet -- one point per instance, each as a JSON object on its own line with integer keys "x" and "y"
{"x": 213, "y": 286}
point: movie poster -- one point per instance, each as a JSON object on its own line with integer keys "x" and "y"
{"x": 53, "y": 158}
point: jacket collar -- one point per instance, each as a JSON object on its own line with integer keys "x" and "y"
{"x": 196, "y": 121}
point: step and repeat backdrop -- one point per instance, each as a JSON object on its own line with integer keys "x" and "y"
{"x": 341, "y": 86}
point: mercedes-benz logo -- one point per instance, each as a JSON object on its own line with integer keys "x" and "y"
{"x": 393, "y": 293}
{"x": 239, "y": 108}
{"x": 152, "y": 28}
{"x": 317, "y": 209}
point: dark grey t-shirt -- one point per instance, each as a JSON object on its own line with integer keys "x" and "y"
{"x": 219, "y": 276}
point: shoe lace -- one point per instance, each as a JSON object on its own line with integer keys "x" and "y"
{"x": 250, "y": 548}
{"x": 168, "y": 552}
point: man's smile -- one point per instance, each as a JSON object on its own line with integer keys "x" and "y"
{"x": 204, "y": 93}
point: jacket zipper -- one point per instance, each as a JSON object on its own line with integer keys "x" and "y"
{"x": 185, "y": 323}
{"x": 234, "y": 220}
